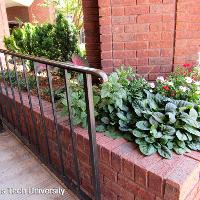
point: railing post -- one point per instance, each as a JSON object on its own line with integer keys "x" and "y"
{"x": 1, "y": 126}
{"x": 92, "y": 135}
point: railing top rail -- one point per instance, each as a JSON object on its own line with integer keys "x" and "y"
{"x": 64, "y": 65}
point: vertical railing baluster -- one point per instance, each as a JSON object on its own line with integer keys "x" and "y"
{"x": 73, "y": 135}
{"x": 1, "y": 110}
{"x": 30, "y": 105}
{"x": 92, "y": 134}
{"x": 20, "y": 96}
{"x": 42, "y": 112}
{"x": 13, "y": 95}
{"x": 55, "y": 118}
{"x": 6, "y": 88}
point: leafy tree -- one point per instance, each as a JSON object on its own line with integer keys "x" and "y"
{"x": 68, "y": 8}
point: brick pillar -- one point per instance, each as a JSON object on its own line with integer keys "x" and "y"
{"x": 92, "y": 34}
{"x": 138, "y": 34}
{"x": 188, "y": 32}
{"x": 40, "y": 14}
{"x": 4, "y": 30}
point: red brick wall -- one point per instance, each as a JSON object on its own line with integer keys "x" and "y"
{"x": 4, "y": 30}
{"x": 40, "y": 14}
{"x": 141, "y": 33}
{"x": 20, "y": 12}
{"x": 92, "y": 34}
{"x": 188, "y": 32}
{"x": 125, "y": 174}
{"x": 137, "y": 33}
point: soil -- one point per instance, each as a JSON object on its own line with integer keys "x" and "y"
{"x": 57, "y": 83}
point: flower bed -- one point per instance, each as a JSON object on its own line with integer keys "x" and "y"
{"x": 125, "y": 172}
{"x": 160, "y": 118}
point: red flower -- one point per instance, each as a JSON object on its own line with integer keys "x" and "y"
{"x": 194, "y": 78}
{"x": 165, "y": 87}
{"x": 186, "y": 65}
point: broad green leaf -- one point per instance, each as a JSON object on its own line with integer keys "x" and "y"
{"x": 181, "y": 136}
{"x": 172, "y": 117}
{"x": 189, "y": 136}
{"x": 113, "y": 78}
{"x": 181, "y": 103}
{"x": 168, "y": 129}
{"x": 159, "y": 117}
{"x": 143, "y": 125}
{"x": 164, "y": 140}
{"x": 138, "y": 112}
{"x": 105, "y": 120}
{"x": 193, "y": 114}
{"x": 150, "y": 140}
{"x": 105, "y": 93}
{"x": 139, "y": 134}
{"x": 110, "y": 108}
{"x": 158, "y": 98}
{"x": 165, "y": 152}
{"x": 140, "y": 141}
{"x": 119, "y": 103}
{"x": 121, "y": 116}
{"x": 179, "y": 150}
{"x": 152, "y": 121}
{"x": 155, "y": 133}
{"x": 189, "y": 120}
{"x": 100, "y": 128}
{"x": 170, "y": 107}
{"x": 191, "y": 130}
{"x": 170, "y": 145}
{"x": 194, "y": 146}
{"x": 147, "y": 149}
{"x": 152, "y": 104}
{"x": 181, "y": 144}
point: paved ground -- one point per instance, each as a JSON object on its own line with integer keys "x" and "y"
{"x": 21, "y": 174}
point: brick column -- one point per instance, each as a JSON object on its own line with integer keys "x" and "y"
{"x": 138, "y": 34}
{"x": 4, "y": 30}
{"x": 92, "y": 34}
{"x": 188, "y": 32}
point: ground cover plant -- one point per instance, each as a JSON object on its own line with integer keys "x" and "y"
{"x": 159, "y": 117}
{"x": 146, "y": 113}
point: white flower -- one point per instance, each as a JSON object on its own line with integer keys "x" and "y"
{"x": 188, "y": 79}
{"x": 197, "y": 82}
{"x": 161, "y": 79}
{"x": 170, "y": 83}
{"x": 152, "y": 85}
{"x": 183, "y": 89}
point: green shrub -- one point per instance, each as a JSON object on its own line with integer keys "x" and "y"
{"x": 54, "y": 41}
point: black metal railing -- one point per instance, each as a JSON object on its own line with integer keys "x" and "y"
{"x": 11, "y": 60}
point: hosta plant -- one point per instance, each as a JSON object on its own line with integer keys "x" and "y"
{"x": 166, "y": 125}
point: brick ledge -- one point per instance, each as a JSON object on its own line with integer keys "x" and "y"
{"x": 125, "y": 172}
